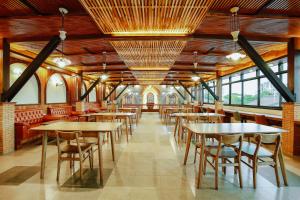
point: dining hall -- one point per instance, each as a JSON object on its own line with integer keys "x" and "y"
{"x": 149, "y": 99}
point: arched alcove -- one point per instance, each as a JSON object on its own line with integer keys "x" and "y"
{"x": 56, "y": 89}
{"x": 154, "y": 91}
{"x": 93, "y": 95}
{"x": 30, "y": 92}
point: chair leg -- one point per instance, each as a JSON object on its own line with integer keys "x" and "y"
{"x": 195, "y": 157}
{"x": 254, "y": 169}
{"x": 216, "y": 173}
{"x": 223, "y": 167}
{"x": 240, "y": 173}
{"x": 91, "y": 158}
{"x": 81, "y": 166}
{"x": 58, "y": 170}
{"x": 205, "y": 163}
{"x": 276, "y": 173}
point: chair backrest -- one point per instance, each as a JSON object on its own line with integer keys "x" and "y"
{"x": 230, "y": 140}
{"x": 237, "y": 116}
{"x": 268, "y": 139}
{"x": 101, "y": 118}
{"x": 261, "y": 119}
{"x": 214, "y": 119}
{"x": 68, "y": 136}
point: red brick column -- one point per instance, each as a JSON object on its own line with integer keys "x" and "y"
{"x": 290, "y": 113}
{"x": 7, "y": 127}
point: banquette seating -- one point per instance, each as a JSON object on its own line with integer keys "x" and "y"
{"x": 26, "y": 119}
{"x": 64, "y": 112}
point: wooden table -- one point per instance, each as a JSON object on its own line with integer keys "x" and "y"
{"x": 132, "y": 110}
{"x": 204, "y": 129}
{"x": 119, "y": 115}
{"x": 85, "y": 127}
{"x": 180, "y": 116}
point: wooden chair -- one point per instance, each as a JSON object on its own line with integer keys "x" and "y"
{"x": 229, "y": 151}
{"x": 237, "y": 117}
{"x": 69, "y": 151}
{"x": 261, "y": 119}
{"x": 262, "y": 156}
{"x": 102, "y": 118}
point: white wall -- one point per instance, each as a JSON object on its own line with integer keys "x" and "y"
{"x": 92, "y": 95}
{"x": 56, "y": 91}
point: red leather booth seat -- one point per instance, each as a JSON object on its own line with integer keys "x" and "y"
{"x": 64, "y": 112}
{"x": 24, "y": 120}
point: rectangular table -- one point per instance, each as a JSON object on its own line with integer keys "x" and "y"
{"x": 119, "y": 115}
{"x": 204, "y": 129}
{"x": 179, "y": 116}
{"x": 85, "y": 127}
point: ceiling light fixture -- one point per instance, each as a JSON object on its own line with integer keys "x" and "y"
{"x": 235, "y": 31}
{"x": 62, "y": 61}
{"x": 195, "y": 59}
{"x": 104, "y": 76}
{"x": 195, "y": 78}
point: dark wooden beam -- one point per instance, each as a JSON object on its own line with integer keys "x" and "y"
{"x": 209, "y": 90}
{"x": 79, "y": 85}
{"x": 6, "y": 65}
{"x": 193, "y": 98}
{"x": 121, "y": 92}
{"x": 31, "y": 69}
{"x": 262, "y": 65}
{"x": 264, "y": 6}
{"x": 179, "y": 92}
{"x": 31, "y": 7}
{"x": 114, "y": 88}
{"x": 90, "y": 89}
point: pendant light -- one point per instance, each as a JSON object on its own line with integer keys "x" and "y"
{"x": 235, "y": 31}
{"x": 62, "y": 61}
{"x": 104, "y": 76}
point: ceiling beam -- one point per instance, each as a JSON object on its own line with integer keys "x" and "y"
{"x": 31, "y": 7}
{"x": 264, "y": 6}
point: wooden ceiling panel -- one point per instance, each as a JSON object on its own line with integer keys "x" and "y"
{"x": 13, "y": 8}
{"x": 51, "y": 6}
{"x": 246, "y": 6}
{"x": 286, "y": 7}
{"x": 141, "y": 17}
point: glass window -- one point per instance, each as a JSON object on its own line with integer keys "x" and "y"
{"x": 225, "y": 79}
{"x": 225, "y": 94}
{"x": 92, "y": 95}
{"x": 236, "y": 77}
{"x": 205, "y": 96}
{"x": 284, "y": 66}
{"x": 284, "y": 78}
{"x": 274, "y": 67}
{"x": 250, "y": 92}
{"x": 268, "y": 94}
{"x": 210, "y": 97}
{"x": 236, "y": 93}
{"x": 250, "y": 74}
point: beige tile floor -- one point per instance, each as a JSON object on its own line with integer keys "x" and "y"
{"x": 148, "y": 167}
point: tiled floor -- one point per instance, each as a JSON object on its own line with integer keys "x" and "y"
{"x": 148, "y": 167}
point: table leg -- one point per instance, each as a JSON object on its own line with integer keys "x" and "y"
{"x": 187, "y": 148}
{"x": 282, "y": 166}
{"x": 176, "y": 125}
{"x": 130, "y": 124}
{"x": 126, "y": 130}
{"x": 100, "y": 159}
{"x": 112, "y": 145}
{"x": 201, "y": 162}
{"x": 180, "y": 130}
{"x": 44, "y": 151}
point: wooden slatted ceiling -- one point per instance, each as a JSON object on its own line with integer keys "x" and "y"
{"x": 140, "y": 17}
{"x": 13, "y": 8}
{"x": 246, "y": 6}
{"x": 288, "y": 7}
{"x": 149, "y": 54}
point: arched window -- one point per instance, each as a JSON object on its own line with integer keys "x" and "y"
{"x": 92, "y": 95}
{"x": 29, "y": 94}
{"x": 83, "y": 89}
{"x": 56, "y": 91}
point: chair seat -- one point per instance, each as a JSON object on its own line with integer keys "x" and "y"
{"x": 248, "y": 149}
{"x": 69, "y": 148}
{"x": 226, "y": 152}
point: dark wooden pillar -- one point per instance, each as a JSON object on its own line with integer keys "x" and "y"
{"x": 294, "y": 67}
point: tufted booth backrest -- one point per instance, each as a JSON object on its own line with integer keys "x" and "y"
{"x": 29, "y": 116}
{"x": 65, "y": 110}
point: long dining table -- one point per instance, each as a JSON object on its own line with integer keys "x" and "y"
{"x": 127, "y": 116}
{"x": 180, "y": 116}
{"x": 91, "y": 129}
{"x": 204, "y": 129}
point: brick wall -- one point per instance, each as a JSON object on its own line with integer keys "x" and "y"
{"x": 7, "y": 135}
